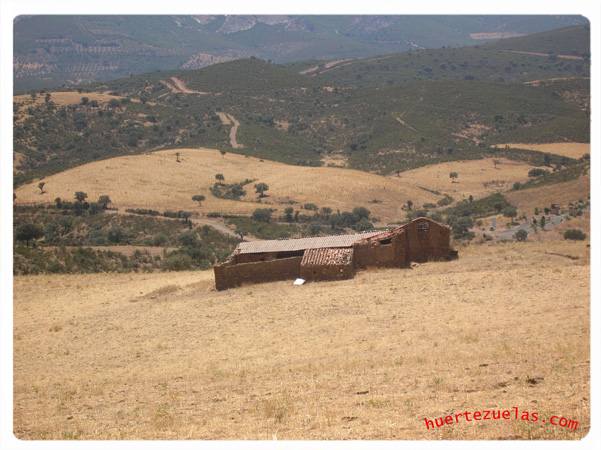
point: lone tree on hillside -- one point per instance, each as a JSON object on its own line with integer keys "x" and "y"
{"x": 511, "y": 212}
{"x": 574, "y": 234}
{"x": 260, "y": 188}
{"x": 198, "y": 198}
{"x": 289, "y": 211}
{"x": 104, "y": 201}
{"x": 262, "y": 215}
{"x": 326, "y": 212}
{"x": 177, "y": 155}
{"x": 80, "y": 196}
{"x": 409, "y": 205}
{"x": 220, "y": 178}
{"x": 453, "y": 176}
{"x": 28, "y": 232}
{"x": 41, "y": 185}
{"x": 521, "y": 235}
{"x": 223, "y": 152}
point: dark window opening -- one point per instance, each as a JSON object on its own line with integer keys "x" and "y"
{"x": 386, "y": 241}
{"x": 289, "y": 254}
{"x": 423, "y": 227}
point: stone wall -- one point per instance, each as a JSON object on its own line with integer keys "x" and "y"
{"x": 228, "y": 275}
{"x": 386, "y": 251}
{"x": 327, "y": 272}
{"x": 427, "y": 240}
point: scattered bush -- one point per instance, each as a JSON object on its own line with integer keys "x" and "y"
{"x": 521, "y": 235}
{"x": 574, "y": 235}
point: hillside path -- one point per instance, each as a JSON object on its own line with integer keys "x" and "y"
{"x": 520, "y": 52}
{"x": 228, "y": 119}
{"x": 178, "y": 86}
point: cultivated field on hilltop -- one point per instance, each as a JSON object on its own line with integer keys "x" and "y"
{"x": 62, "y": 98}
{"x": 158, "y": 181}
{"x": 369, "y": 358}
{"x": 574, "y": 150}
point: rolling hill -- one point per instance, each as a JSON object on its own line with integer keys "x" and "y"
{"x": 513, "y": 59}
{"x": 157, "y": 181}
{"x": 54, "y": 50}
{"x": 303, "y": 120}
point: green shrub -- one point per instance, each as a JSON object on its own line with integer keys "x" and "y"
{"x": 521, "y": 235}
{"x": 574, "y": 235}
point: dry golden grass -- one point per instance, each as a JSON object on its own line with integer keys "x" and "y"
{"x": 157, "y": 181}
{"x": 478, "y": 177}
{"x": 569, "y": 149}
{"x": 65, "y": 98}
{"x": 561, "y": 193}
{"x": 149, "y": 356}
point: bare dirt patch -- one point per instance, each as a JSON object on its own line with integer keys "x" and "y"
{"x": 178, "y": 86}
{"x": 164, "y": 356}
{"x": 573, "y": 57}
{"x": 495, "y": 35}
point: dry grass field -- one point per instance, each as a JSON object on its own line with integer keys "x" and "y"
{"x": 154, "y": 356}
{"x": 478, "y": 177}
{"x": 569, "y": 149}
{"x": 561, "y": 193}
{"x": 156, "y": 180}
{"x": 66, "y": 98}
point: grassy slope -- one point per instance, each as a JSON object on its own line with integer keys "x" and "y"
{"x": 157, "y": 181}
{"x": 366, "y": 358}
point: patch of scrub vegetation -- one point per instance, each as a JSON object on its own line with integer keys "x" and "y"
{"x": 51, "y": 239}
{"x": 560, "y": 175}
{"x": 40, "y": 259}
{"x": 461, "y": 216}
{"x": 310, "y": 220}
{"x": 232, "y": 191}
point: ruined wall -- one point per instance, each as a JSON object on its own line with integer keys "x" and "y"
{"x": 427, "y": 240}
{"x": 375, "y": 253}
{"x": 230, "y": 275}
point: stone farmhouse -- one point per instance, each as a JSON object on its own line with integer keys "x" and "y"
{"x": 334, "y": 257}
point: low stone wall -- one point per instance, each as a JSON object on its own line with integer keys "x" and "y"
{"x": 230, "y": 275}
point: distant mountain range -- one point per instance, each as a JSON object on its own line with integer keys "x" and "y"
{"x": 52, "y": 51}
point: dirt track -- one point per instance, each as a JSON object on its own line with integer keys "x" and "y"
{"x": 228, "y": 119}
{"x": 177, "y": 86}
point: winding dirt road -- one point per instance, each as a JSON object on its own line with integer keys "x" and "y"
{"x": 228, "y": 119}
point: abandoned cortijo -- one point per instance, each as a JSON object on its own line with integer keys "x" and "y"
{"x": 334, "y": 257}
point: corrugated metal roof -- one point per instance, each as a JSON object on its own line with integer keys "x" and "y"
{"x": 327, "y": 257}
{"x": 290, "y": 245}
